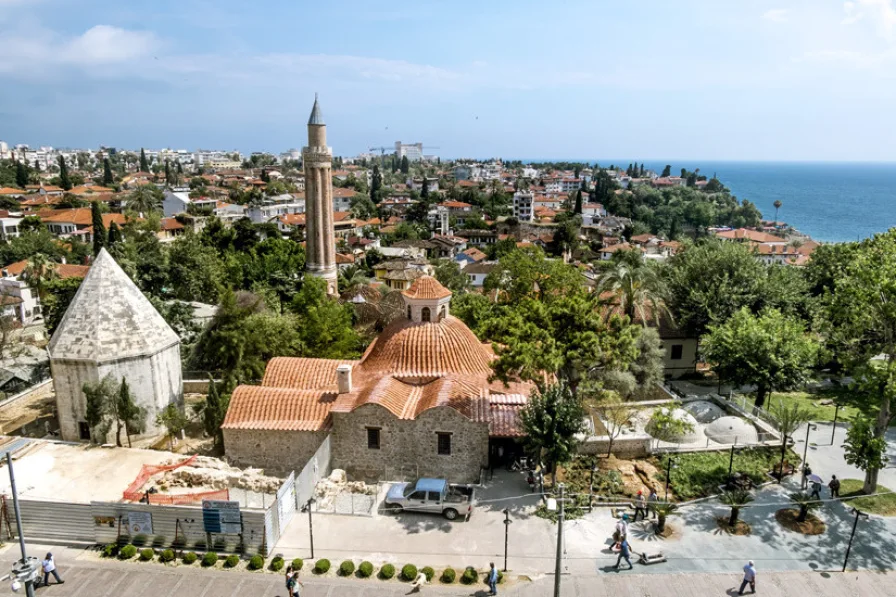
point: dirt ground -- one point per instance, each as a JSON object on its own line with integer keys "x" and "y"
{"x": 31, "y": 413}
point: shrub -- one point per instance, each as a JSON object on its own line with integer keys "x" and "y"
{"x": 256, "y": 562}
{"x": 469, "y": 576}
{"x": 448, "y": 576}
{"x": 346, "y": 568}
{"x": 365, "y": 569}
{"x": 231, "y": 561}
{"x": 167, "y": 555}
{"x": 297, "y": 564}
{"x": 387, "y": 571}
{"x": 429, "y": 572}
{"x": 322, "y": 566}
{"x": 127, "y": 552}
{"x": 277, "y": 563}
{"x": 190, "y": 557}
{"x": 209, "y": 559}
{"x": 146, "y": 554}
{"x": 500, "y": 577}
{"x": 409, "y": 572}
{"x": 140, "y": 540}
{"x": 110, "y": 550}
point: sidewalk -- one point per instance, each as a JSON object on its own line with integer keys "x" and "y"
{"x": 86, "y": 577}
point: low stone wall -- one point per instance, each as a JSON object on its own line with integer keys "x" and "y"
{"x": 197, "y": 386}
{"x": 623, "y": 447}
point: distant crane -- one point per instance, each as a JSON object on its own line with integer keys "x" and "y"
{"x": 383, "y": 150}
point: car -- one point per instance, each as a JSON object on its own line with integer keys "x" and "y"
{"x": 435, "y": 496}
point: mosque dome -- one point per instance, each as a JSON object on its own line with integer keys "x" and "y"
{"x": 704, "y": 410}
{"x": 726, "y": 429}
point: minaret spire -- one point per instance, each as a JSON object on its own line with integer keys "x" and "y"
{"x": 320, "y": 239}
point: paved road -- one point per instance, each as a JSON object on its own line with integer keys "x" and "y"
{"x": 87, "y": 577}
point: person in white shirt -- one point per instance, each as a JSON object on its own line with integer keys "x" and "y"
{"x": 749, "y": 578}
{"x": 49, "y": 566}
{"x": 419, "y": 581}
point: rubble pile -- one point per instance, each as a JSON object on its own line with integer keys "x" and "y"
{"x": 328, "y": 489}
{"x": 214, "y": 473}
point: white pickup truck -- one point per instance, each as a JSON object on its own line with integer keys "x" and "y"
{"x": 431, "y": 495}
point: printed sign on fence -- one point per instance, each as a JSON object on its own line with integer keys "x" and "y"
{"x": 219, "y": 516}
{"x": 140, "y": 523}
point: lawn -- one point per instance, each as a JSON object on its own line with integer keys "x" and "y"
{"x": 883, "y": 505}
{"x": 850, "y": 403}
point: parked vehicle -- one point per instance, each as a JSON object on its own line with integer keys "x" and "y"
{"x": 435, "y": 496}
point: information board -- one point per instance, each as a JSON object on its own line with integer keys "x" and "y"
{"x": 140, "y": 523}
{"x": 220, "y": 516}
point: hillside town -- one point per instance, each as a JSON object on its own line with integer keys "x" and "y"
{"x": 397, "y": 362}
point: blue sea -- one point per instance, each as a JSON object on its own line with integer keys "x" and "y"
{"x": 832, "y": 202}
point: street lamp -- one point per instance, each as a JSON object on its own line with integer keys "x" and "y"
{"x": 558, "y": 565}
{"x": 730, "y": 465}
{"x": 507, "y": 523}
{"x": 307, "y": 507}
{"x": 855, "y": 523}
{"x": 834, "y": 426}
{"x": 809, "y": 427}
{"x": 27, "y": 570}
{"x": 670, "y": 463}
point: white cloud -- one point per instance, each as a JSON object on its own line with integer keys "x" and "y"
{"x": 776, "y": 15}
{"x": 105, "y": 44}
{"x": 881, "y": 12}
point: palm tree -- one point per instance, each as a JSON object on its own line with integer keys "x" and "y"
{"x": 777, "y": 205}
{"x": 663, "y": 510}
{"x": 737, "y": 499}
{"x": 789, "y": 420}
{"x": 38, "y": 273}
{"x": 637, "y": 286}
{"x": 805, "y": 503}
{"x": 351, "y": 278}
{"x": 144, "y": 200}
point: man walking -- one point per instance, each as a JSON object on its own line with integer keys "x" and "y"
{"x": 749, "y": 578}
{"x": 834, "y": 486}
{"x": 624, "y": 554}
{"x": 816, "y": 490}
{"x": 640, "y": 506}
{"x": 652, "y": 500}
{"x": 804, "y": 483}
{"x": 493, "y": 580}
{"x": 49, "y": 566}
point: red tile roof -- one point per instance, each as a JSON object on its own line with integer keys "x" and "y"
{"x": 63, "y": 270}
{"x": 293, "y": 372}
{"x": 747, "y": 234}
{"x": 278, "y": 409}
{"x": 426, "y": 287}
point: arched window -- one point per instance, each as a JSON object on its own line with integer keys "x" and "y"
{"x": 409, "y": 311}
{"x": 443, "y": 312}
{"x": 424, "y": 314}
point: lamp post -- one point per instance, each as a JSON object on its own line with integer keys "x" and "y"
{"x": 834, "y": 426}
{"x": 669, "y": 464}
{"x": 310, "y": 524}
{"x": 730, "y": 464}
{"x": 809, "y": 427}
{"x": 507, "y": 523}
{"x": 557, "y": 504}
{"x": 855, "y": 523}
{"x": 27, "y": 569}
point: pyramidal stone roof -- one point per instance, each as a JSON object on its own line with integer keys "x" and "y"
{"x": 316, "y": 118}
{"x": 110, "y": 319}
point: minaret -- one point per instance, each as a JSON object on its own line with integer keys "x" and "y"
{"x": 320, "y": 241}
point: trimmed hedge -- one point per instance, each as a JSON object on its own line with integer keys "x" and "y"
{"x": 167, "y": 555}
{"x": 147, "y": 554}
{"x": 469, "y": 576}
{"x": 297, "y": 564}
{"x": 127, "y": 552}
{"x": 448, "y": 576}
{"x": 209, "y": 559}
{"x": 190, "y": 557}
{"x": 365, "y": 569}
{"x": 277, "y": 563}
{"x": 256, "y": 562}
{"x": 429, "y": 572}
{"x": 387, "y": 571}
{"x": 322, "y": 566}
{"x": 231, "y": 561}
{"x": 409, "y": 572}
{"x": 346, "y": 568}
{"x": 110, "y": 550}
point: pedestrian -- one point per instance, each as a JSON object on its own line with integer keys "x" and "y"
{"x": 652, "y": 500}
{"x": 807, "y": 470}
{"x": 621, "y": 530}
{"x": 296, "y": 583}
{"x": 493, "y": 579}
{"x": 834, "y": 486}
{"x": 290, "y": 582}
{"x": 419, "y": 581}
{"x": 625, "y": 554}
{"x": 640, "y": 506}
{"x": 49, "y": 566}
{"x": 749, "y": 578}
{"x": 816, "y": 490}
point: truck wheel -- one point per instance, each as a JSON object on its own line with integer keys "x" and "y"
{"x": 393, "y": 508}
{"x": 450, "y": 513}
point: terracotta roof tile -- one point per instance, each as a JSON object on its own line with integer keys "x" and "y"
{"x": 426, "y": 287}
{"x": 293, "y": 372}
{"x": 63, "y": 270}
{"x": 280, "y": 409}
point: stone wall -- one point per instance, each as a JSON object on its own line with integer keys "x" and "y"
{"x": 623, "y": 447}
{"x": 675, "y": 368}
{"x": 409, "y": 447}
{"x": 277, "y": 452}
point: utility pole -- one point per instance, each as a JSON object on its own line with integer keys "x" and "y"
{"x": 730, "y": 464}
{"x": 25, "y": 569}
{"x": 855, "y": 523}
{"x": 558, "y": 567}
{"x": 310, "y": 525}
{"x": 669, "y": 465}
{"x": 507, "y": 523}
{"x": 834, "y": 426}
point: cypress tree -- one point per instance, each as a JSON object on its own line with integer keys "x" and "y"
{"x": 180, "y": 168}
{"x": 167, "y": 173}
{"x": 643, "y": 171}
{"x": 114, "y": 235}
{"x": 405, "y": 165}
{"x": 64, "y": 181}
{"x": 107, "y": 172}
{"x": 21, "y": 174}
{"x": 144, "y": 165}
{"x": 375, "y": 183}
{"x": 100, "y": 237}
{"x": 424, "y": 190}
{"x": 578, "y": 208}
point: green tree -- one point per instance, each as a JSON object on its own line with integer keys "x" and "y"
{"x": 424, "y": 189}
{"x": 144, "y": 165}
{"x": 100, "y": 236}
{"x": 789, "y": 419}
{"x": 195, "y": 272}
{"x": 108, "y": 179}
{"x": 777, "y": 205}
{"x": 805, "y": 503}
{"x": 214, "y": 411}
{"x": 770, "y": 350}
{"x": 169, "y": 179}
{"x": 39, "y": 273}
{"x": 865, "y": 451}
{"x": 351, "y": 279}
{"x": 145, "y": 199}
{"x": 99, "y": 399}
{"x": 736, "y": 499}
{"x": 667, "y": 171}
{"x": 405, "y": 165}
{"x": 616, "y": 415}
{"x": 551, "y": 420}
{"x": 114, "y": 235}
{"x": 173, "y": 419}
{"x": 449, "y": 274}
{"x": 326, "y": 326}
{"x": 376, "y": 183}
{"x": 637, "y": 287}
{"x": 64, "y": 180}
{"x": 21, "y": 175}
{"x": 58, "y": 294}
{"x": 129, "y": 416}
{"x": 578, "y": 206}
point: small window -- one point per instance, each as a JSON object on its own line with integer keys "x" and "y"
{"x": 424, "y": 314}
{"x": 434, "y": 496}
{"x": 373, "y": 439}
{"x": 443, "y": 312}
{"x": 418, "y": 495}
{"x": 677, "y": 350}
{"x": 83, "y": 430}
{"x": 409, "y": 311}
{"x": 444, "y": 444}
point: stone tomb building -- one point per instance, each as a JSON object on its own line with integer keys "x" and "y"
{"x": 418, "y": 403}
{"x": 111, "y": 328}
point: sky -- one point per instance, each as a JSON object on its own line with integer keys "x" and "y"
{"x": 651, "y": 79}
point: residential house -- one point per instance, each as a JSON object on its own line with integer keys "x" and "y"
{"x": 77, "y": 222}
{"x": 169, "y": 229}
{"x": 471, "y": 255}
{"x": 523, "y": 206}
{"x": 477, "y": 272}
{"x": 11, "y": 193}
{"x": 17, "y": 297}
{"x": 607, "y": 252}
{"x": 752, "y": 236}
{"x": 448, "y": 246}
{"x": 478, "y": 238}
{"x": 398, "y": 274}
{"x": 9, "y": 227}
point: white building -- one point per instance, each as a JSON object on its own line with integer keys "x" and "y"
{"x": 523, "y": 206}
{"x": 178, "y": 201}
{"x": 413, "y": 151}
{"x": 110, "y": 328}
{"x": 9, "y": 228}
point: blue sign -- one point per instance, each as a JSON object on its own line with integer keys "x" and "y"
{"x": 220, "y": 516}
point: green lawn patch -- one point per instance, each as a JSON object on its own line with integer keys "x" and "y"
{"x": 883, "y": 505}
{"x": 850, "y": 403}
